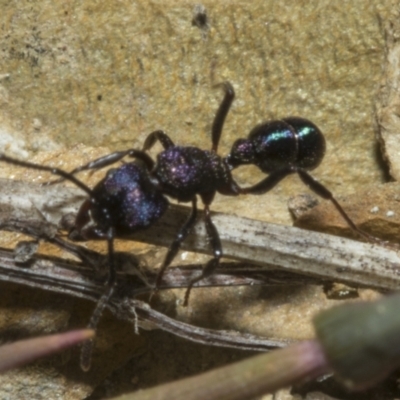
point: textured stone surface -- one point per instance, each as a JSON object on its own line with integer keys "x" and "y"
{"x": 388, "y": 102}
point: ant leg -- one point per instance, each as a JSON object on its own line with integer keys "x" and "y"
{"x": 269, "y": 182}
{"x": 81, "y": 220}
{"x": 216, "y": 129}
{"x": 88, "y": 257}
{"x": 161, "y": 136}
{"x": 176, "y": 244}
{"x": 110, "y": 159}
{"x": 322, "y": 191}
{"x": 221, "y": 114}
{"x": 87, "y": 347}
{"x": 215, "y": 242}
{"x": 275, "y": 177}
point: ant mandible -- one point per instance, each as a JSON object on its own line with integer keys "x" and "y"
{"x": 133, "y": 196}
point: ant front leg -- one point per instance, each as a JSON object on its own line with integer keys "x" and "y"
{"x": 276, "y": 176}
{"x": 81, "y": 232}
{"x": 87, "y": 347}
{"x": 216, "y": 246}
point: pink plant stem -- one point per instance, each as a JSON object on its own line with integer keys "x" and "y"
{"x": 15, "y": 354}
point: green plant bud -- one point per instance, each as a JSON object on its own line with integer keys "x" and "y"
{"x": 361, "y": 341}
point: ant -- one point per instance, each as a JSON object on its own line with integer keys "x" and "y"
{"x": 133, "y": 196}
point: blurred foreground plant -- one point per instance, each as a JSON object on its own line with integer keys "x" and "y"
{"x": 359, "y": 343}
{"x": 15, "y": 354}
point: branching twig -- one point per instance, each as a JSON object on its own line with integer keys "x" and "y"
{"x": 69, "y": 278}
{"x": 318, "y": 256}
{"x": 313, "y": 254}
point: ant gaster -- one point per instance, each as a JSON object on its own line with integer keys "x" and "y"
{"x": 132, "y": 196}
